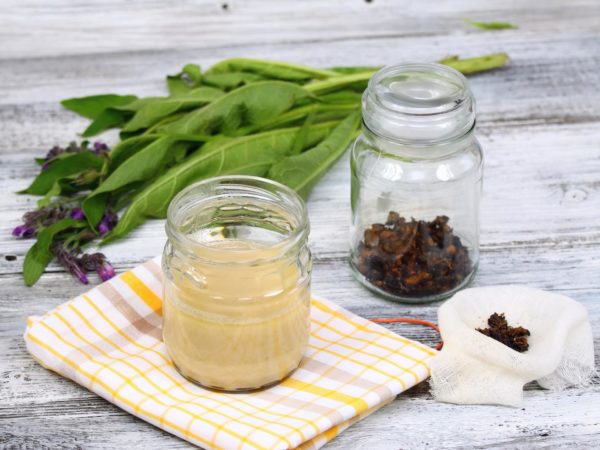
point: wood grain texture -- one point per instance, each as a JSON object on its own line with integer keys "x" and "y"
{"x": 539, "y": 123}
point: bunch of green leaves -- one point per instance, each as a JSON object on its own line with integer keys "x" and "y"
{"x": 284, "y": 121}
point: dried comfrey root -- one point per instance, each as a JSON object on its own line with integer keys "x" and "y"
{"x": 413, "y": 258}
{"x": 500, "y": 330}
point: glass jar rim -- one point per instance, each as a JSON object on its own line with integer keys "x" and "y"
{"x": 418, "y": 103}
{"x": 240, "y": 186}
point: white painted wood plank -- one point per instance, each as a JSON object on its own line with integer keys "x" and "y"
{"x": 92, "y": 27}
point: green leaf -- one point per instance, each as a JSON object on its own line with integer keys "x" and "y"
{"x": 94, "y": 206}
{"x": 189, "y": 78}
{"x": 300, "y": 139}
{"x": 295, "y": 115}
{"x": 107, "y": 119}
{"x": 143, "y": 165}
{"x": 251, "y": 105}
{"x": 271, "y": 69}
{"x": 127, "y": 148}
{"x": 40, "y": 254}
{"x": 249, "y": 155}
{"x": 230, "y": 80}
{"x": 53, "y": 192}
{"x": 61, "y": 168}
{"x": 92, "y": 106}
{"x": 116, "y": 116}
{"x": 491, "y": 25}
{"x": 301, "y": 172}
{"x": 152, "y": 112}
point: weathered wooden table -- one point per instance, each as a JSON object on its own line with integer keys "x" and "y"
{"x": 539, "y": 123}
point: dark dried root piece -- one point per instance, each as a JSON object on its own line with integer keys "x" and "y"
{"x": 413, "y": 258}
{"x": 500, "y": 330}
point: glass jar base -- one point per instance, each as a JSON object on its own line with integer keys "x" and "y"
{"x": 411, "y": 300}
{"x": 236, "y": 391}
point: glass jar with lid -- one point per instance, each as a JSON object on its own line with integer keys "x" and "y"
{"x": 237, "y": 282}
{"x": 416, "y": 184}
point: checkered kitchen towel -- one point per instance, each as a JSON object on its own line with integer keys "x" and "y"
{"x": 109, "y": 340}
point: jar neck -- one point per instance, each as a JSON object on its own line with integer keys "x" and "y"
{"x": 418, "y": 150}
{"x": 237, "y": 220}
{"x": 234, "y": 254}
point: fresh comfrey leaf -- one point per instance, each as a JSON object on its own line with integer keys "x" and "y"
{"x": 230, "y": 80}
{"x": 301, "y": 172}
{"x": 299, "y": 143}
{"x": 92, "y": 106}
{"x": 40, "y": 254}
{"x": 57, "y": 152}
{"x": 250, "y": 105}
{"x": 61, "y": 168}
{"x": 189, "y": 78}
{"x": 295, "y": 116}
{"x": 117, "y": 116}
{"x": 491, "y": 25}
{"x": 53, "y": 192}
{"x": 142, "y": 166}
{"x": 152, "y": 112}
{"x": 248, "y": 155}
{"x": 127, "y": 148}
{"x": 107, "y": 119}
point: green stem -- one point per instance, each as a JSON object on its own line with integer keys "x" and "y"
{"x": 484, "y": 63}
{"x": 333, "y": 84}
{"x": 353, "y": 75}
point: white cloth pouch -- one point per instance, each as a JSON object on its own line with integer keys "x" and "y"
{"x": 475, "y": 369}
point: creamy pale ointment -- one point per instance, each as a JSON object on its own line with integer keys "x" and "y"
{"x": 237, "y": 283}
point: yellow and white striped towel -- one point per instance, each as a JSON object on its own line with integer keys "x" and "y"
{"x": 109, "y": 340}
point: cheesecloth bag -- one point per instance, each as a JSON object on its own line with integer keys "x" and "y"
{"x": 473, "y": 368}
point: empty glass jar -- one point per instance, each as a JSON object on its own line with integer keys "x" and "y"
{"x": 416, "y": 184}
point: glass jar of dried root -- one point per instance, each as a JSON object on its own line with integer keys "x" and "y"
{"x": 416, "y": 184}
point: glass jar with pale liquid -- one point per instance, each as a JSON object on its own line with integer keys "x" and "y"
{"x": 237, "y": 282}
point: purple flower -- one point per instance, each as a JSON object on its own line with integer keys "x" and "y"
{"x": 51, "y": 155}
{"x": 77, "y": 213}
{"x": 98, "y": 262}
{"x": 106, "y": 271}
{"x": 24, "y": 231}
{"x": 56, "y": 151}
{"x": 37, "y": 219}
{"x": 18, "y": 231}
{"x": 108, "y": 222}
{"x": 99, "y": 148}
{"x": 29, "y": 232}
{"x": 69, "y": 260}
{"x": 80, "y": 274}
{"x": 103, "y": 228}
